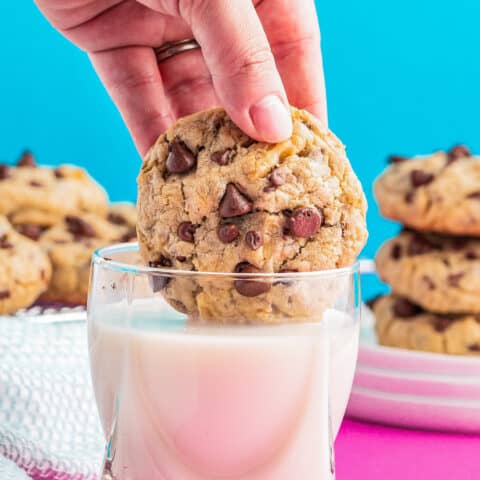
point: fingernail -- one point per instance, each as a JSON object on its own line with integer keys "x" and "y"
{"x": 271, "y": 119}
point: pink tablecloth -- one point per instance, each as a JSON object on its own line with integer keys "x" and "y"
{"x": 372, "y": 452}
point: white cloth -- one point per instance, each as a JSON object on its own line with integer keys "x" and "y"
{"x": 48, "y": 419}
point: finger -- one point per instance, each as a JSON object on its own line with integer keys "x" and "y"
{"x": 294, "y": 35}
{"x": 188, "y": 84}
{"x": 133, "y": 80}
{"x": 65, "y": 14}
{"x": 127, "y": 24}
{"x": 238, "y": 56}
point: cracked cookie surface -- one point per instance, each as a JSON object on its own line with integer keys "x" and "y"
{"x": 213, "y": 200}
{"x": 42, "y": 196}
{"x": 439, "y": 192}
{"x": 25, "y": 269}
{"x": 402, "y": 324}
{"x": 440, "y": 273}
{"x": 71, "y": 243}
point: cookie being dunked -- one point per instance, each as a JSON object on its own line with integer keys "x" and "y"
{"x": 213, "y": 200}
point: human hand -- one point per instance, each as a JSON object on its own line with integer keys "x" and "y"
{"x": 255, "y": 58}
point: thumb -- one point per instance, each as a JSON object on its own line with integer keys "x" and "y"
{"x": 242, "y": 66}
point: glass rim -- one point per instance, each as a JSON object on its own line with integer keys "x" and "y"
{"x": 101, "y": 257}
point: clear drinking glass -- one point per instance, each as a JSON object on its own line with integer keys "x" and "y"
{"x": 202, "y": 376}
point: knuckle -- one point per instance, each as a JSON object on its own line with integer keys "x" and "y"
{"x": 189, "y": 85}
{"x": 135, "y": 81}
{"x": 254, "y": 58}
{"x": 299, "y": 47}
{"x": 188, "y": 9}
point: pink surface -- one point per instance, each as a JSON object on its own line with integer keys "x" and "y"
{"x": 373, "y": 452}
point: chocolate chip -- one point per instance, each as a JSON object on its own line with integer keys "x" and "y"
{"x": 248, "y": 142}
{"x": 441, "y": 324}
{"x": 58, "y": 173}
{"x": 129, "y": 236}
{"x": 471, "y": 255}
{"x": 26, "y": 160}
{"x": 180, "y": 159}
{"x": 454, "y": 279}
{"x": 79, "y": 227}
{"x": 373, "y": 301}
{"x": 288, "y": 270}
{"x": 459, "y": 151}
{"x": 36, "y": 184}
{"x": 304, "y": 222}
{"x": 186, "y": 231}
{"x": 4, "y": 243}
{"x": 159, "y": 282}
{"x": 409, "y": 196}
{"x": 4, "y": 294}
{"x": 234, "y": 202}
{"x": 116, "y": 218}
{"x": 475, "y": 195}
{"x": 420, "y": 245}
{"x": 405, "y": 309}
{"x": 228, "y": 232}
{"x": 459, "y": 243}
{"x": 163, "y": 261}
{"x": 254, "y": 239}
{"x": 4, "y": 171}
{"x": 181, "y": 258}
{"x": 223, "y": 157}
{"x": 285, "y": 282}
{"x": 250, "y": 288}
{"x": 474, "y": 348}
{"x": 396, "y": 159}
{"x": 396, "y": 251}
{"x": 429, "y": 282}
{"x": 30, "y": 230}
{"x": 277, "y": 178}
{"x": 419, "y": 178}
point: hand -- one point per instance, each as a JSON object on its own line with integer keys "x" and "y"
{"x": 255, "y": 58}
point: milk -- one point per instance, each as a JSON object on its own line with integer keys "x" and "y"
{"x": 183, "y": 402}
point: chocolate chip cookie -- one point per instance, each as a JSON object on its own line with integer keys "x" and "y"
{"x": 402, "y": 324}
{"x": 25, "y": 269}
{"x": 439, "y": 192}
{"x": 71, "y": 243}
{"x": 440, "y": 273}
{"x": 35, "y": 195}
{"x": 212, "y": 199}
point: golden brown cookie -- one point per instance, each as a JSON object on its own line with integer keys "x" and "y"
{"x": 439, "y": 192}
{"x": 442, "y": 274}
{"x": 70, "y": 246}
{"x": 402, "y": 324}
{"x": 25, "y": 270}
{"x": 42, "y": 196}
{"x": 212, "y": 199}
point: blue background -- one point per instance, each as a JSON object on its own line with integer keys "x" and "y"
{"x": 402, "y": 77}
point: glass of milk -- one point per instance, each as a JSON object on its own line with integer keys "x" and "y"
{"x": 196, "y": 382}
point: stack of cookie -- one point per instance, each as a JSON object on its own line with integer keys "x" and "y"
{"x": 433, "y": 265}
{"x": 51, "y": 221}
